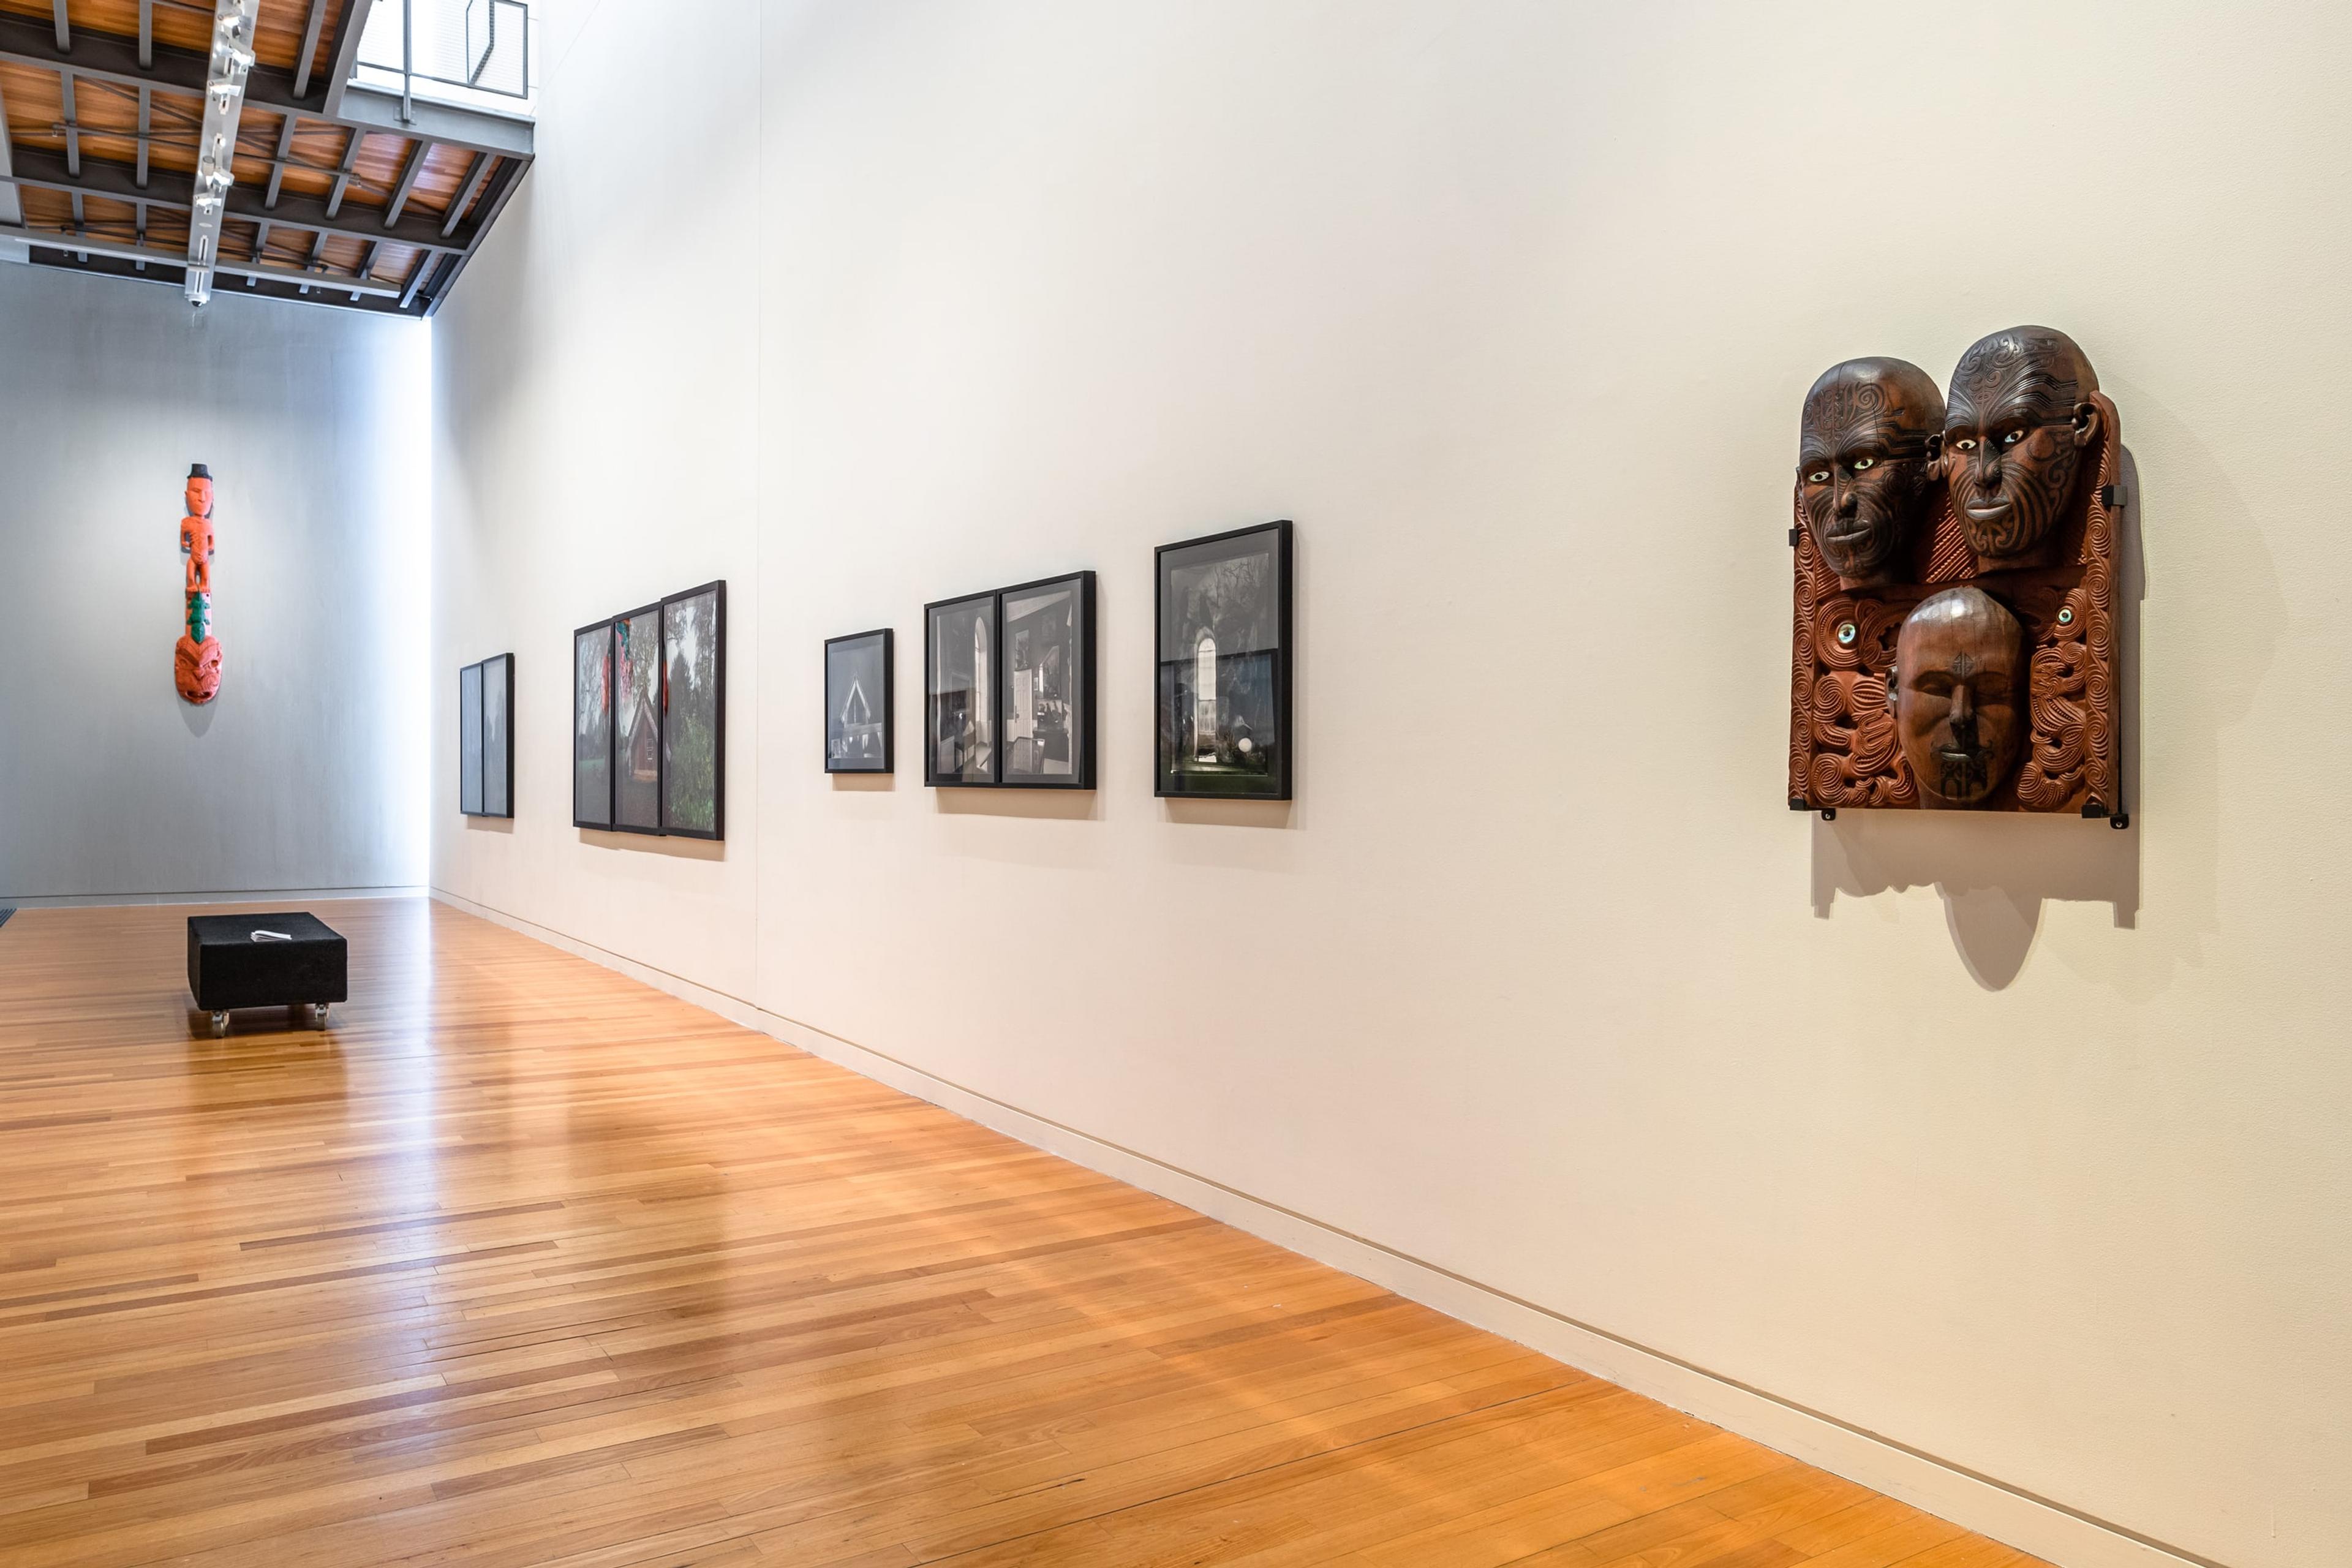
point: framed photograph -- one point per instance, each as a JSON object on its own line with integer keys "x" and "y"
{"x": 637, "y": 721}
{"x": 592, "y": 726}
{"x": 1222, "y": 607}
{"x": 858, "y": 706}
{"x": 1045, "y": 704}
{"x": 469, "y": 740}
{"x": 959, "y": 692}
{"x": 694, "y": 713}
{"x": 497, "y": 736}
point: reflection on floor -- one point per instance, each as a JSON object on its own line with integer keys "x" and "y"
{"x": 526, "y": 1264}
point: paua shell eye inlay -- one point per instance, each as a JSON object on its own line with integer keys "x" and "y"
{"x": 1847, "y": 632}
{"x": 2066, "y": 615}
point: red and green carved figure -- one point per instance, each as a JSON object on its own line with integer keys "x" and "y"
{"x": 196, "y": 662}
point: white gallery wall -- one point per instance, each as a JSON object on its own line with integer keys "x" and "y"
{"x": 596, "y": 448}
{"x": 315, "y": 426}
{"x": 2000, "y": 1162}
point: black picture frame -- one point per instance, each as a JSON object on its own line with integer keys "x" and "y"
{"x": 592, "y": 748}
{"x": 959, "y": 720}
{"x": 469, "y": 741}
{"x": 485, "y": 753}
{"x": 694, "y": 715}
{"x": 1034, "y": 688}
{"x": 499, "y": 736}
{"x": 1216, "y": 750}
{"x": 865, "y": 744}
{"x": 637, "y": 739}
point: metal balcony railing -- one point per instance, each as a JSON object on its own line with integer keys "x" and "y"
{"x": 472, "y": 52}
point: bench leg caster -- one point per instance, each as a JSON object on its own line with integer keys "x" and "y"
{"x": 220, "y": 1024}
{"x": 319, "y": 1014}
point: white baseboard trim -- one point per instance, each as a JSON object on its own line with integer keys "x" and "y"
{"x": 228, "y": 896}
{"x": 1982, "y": 1503}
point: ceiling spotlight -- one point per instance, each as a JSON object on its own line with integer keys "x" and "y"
{"x": 232, "y": 61}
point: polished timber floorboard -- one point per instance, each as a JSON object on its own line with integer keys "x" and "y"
{"x": 525, "y": 1263}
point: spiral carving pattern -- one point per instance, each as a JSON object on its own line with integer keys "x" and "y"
{"x": 2056, "y": 688}
{"x": 1801, "y": 663}
{"x": 1857, "y": 761}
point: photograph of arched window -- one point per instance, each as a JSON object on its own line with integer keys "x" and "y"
{"x": 959, "y": 711}
{"x": 1223, "y": 607}
{"x": 858, "y": 706}
{"x": 1046, "y": 706}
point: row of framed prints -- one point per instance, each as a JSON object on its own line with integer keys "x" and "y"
{"x": 1009, "y": 679}
{"x": 486, "y": 738}
{"x": 649, "y": 718}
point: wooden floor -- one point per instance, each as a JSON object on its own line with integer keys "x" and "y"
{"x": 524, "y": 1263}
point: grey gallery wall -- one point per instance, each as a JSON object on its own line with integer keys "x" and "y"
{"x": 313, "y": 423}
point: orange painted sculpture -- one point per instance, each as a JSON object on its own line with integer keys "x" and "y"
{"x": 196, "y": 664}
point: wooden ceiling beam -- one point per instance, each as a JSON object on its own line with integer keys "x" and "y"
{"x": 467, "y": 193}
{"x": 44, "y": 170}
{"x": 345, "y": 57}
{"x": 502, "y": 190}
{"x": 407, "y": 182}
{"x": 418, "y": 275}
{"x": 310, "y": 48}
{"x": 276, "y": 282}
{"x": 104, "y": 57}
{"x": 343, "y": 173}
{"x": 277, "y": 164}
{"x": 503, "y": 148}
{"x": 469, "y": 130}
{"x": 73, "y": 125}
{"x": 12, "y": 211}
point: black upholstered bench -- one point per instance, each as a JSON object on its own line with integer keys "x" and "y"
{"x": 267, "y": 961}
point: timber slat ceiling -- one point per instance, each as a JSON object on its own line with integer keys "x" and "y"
{"x": 97, "y": 157}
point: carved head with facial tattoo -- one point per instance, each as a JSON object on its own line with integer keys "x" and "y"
{"x": 2019, "y": 423}
{"x": 1957, "y": 693}
{"x": 1863, "y": 467}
